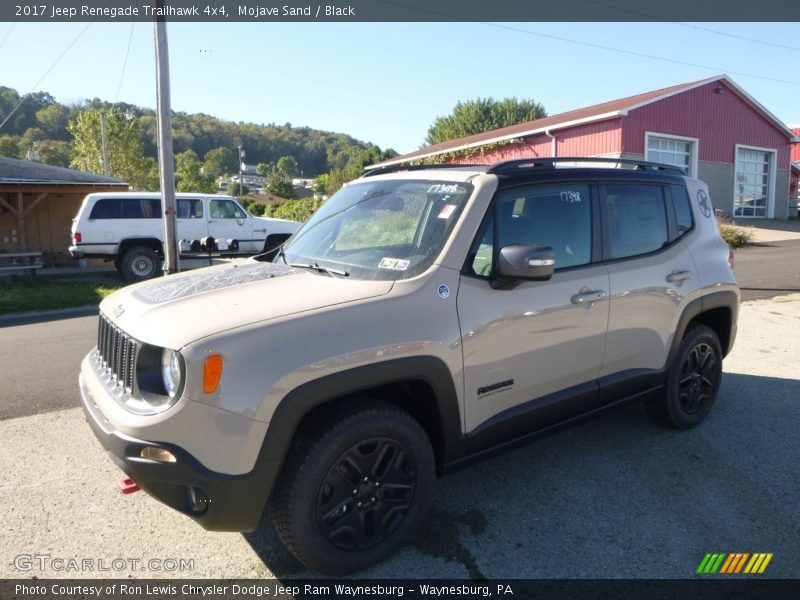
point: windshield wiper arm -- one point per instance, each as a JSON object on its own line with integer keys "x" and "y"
{"x": 320, "y": 269}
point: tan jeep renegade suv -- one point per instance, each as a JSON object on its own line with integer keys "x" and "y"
{"x": 422, "y": 317}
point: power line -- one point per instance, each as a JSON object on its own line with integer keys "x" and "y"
{"x": 42, "y": 78}
{"x": 650, "y": 17}
{"x": 125, "y": 62}
{"x": 590, "y": 44}
{"x": 738, "y": 37}
{"x": 640, "y": 54}
{"x": 8, "y": 33}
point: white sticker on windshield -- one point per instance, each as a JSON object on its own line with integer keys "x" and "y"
{"x": 395, "y": 264}
{"x": 447, "y": 210}
{"x": 571, "y": 197}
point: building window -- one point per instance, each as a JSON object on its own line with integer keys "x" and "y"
{"x": 672, "y": 150}
{"x": 753, "y": 182}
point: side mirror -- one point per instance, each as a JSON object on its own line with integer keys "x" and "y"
{"x": 523, "y": 262}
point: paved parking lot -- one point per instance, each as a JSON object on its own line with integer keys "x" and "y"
{"x": 616, "y": 497}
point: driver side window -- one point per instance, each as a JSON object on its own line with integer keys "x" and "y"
{"x": 556, "y": 215}
{"x": 225, "y": 209}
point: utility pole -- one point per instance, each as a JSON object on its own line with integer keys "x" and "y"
{"x": 165, "y": 155}
{"x": 241, "y": 168}
{"x": 104, "y": 142}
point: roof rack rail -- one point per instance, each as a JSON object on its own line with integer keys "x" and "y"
{"x": 515, "y": 166}
{"x": 369, "y": 172}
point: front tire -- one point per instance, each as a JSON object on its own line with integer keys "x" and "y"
{"x": 352, "y": 492}
{"x": 693, "y": 381}
{"x": 140, "y": 263}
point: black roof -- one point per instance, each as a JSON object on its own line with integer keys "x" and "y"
{"x": 16, "y": 171}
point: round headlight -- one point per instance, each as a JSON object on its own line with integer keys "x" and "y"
{"x": 171, "y": 371}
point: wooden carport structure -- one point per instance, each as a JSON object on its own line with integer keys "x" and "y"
{"x": 38, "y": 203}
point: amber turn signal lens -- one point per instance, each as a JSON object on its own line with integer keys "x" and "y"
{"x": 212, "y": 373}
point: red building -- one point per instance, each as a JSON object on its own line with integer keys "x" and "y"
{"x": 713, "y": 128}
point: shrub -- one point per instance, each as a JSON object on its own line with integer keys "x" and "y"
{"x": 297, "y": 210}
{"x": 735, "y": 237}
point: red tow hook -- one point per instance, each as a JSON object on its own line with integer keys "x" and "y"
{"x": 128, "y": 486}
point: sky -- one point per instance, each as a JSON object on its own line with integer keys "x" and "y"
{"x": 386, "y": 83}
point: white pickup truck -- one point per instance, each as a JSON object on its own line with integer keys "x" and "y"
{"x": 126, "y": 227}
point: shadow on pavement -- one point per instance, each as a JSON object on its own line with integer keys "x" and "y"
{"x": 617, "y": 497}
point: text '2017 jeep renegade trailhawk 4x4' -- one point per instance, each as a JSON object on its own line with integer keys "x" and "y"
{"x": 420, "y": 318}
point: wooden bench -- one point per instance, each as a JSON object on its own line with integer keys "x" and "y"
{"x": 11, "y": 262}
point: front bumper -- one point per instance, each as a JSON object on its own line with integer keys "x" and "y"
{"x": 217, "y": 501}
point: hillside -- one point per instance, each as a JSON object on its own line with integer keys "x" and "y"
{"x": 41, "y": 122}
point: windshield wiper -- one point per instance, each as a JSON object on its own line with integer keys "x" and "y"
{"x": 319, "y": 269}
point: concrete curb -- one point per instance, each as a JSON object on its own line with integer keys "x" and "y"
{"x": 47, "y": 315}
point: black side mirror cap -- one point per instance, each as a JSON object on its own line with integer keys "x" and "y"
{"x": 523, "y": 262}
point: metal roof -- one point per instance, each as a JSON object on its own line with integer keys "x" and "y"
{"x": 16, "y": 172}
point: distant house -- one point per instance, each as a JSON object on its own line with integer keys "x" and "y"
{"x": 38, "y": 203}
{"x": 712, "y": 128}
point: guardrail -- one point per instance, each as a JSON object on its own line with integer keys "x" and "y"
{"x": 11, "y": 262}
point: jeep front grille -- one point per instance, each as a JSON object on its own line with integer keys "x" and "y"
{"x": 117, "y": 353}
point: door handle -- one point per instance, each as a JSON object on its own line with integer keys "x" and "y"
{"x": 590, "y": 296}
{"x": 679, "y": 276}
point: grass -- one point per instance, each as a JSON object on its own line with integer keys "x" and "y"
{"x": 20, "y": 296}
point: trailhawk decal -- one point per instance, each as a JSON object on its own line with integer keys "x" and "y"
{"x": 495, "y": 388}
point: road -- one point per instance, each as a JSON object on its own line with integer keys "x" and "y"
{"x": 768, "y": 270}
{"x": 40, "y": 362}
{"x": 616, "y": 497}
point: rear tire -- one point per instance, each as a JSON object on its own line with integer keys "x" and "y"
{"x": 353, "y": 491}
{"x": 140, "y": 263}
{"x": 693, "y": 381}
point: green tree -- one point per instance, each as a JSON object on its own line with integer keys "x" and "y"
{"x": 188, "y": 175}
{"x": 54, "y": 152}
{"x": 53, "y": 120}
{"x": 320, "y": 185}
{"x": 355, "y": 167}
{"x": 264, "y": 169}
{"x": 279, "y": 184}
{"x": 9, "y": 146}
{"x": 220, "y": 162}
{"x": 125, "y": 149}
{"x": 483, "y": 114}
{"x": 287, "y": 165}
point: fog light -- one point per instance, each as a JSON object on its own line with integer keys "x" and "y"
{"x": 159, "y": 454}
{"x": 198, "y": 500}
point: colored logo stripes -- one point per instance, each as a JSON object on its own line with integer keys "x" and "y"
{"x": 730, "y": 563}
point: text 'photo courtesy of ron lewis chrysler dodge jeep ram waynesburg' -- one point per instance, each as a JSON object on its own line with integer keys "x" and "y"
{"x": 423, "y": 317}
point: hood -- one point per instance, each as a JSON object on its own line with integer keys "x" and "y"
{"x": 176, "y": 310}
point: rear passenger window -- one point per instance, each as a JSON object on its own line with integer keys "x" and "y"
{"x": 190, "y": 208}
{"x": 126, "y": 208}
{"x": 637, "y": 219}
{"x": 683, "y": 210}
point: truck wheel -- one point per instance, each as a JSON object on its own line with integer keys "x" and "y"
{"x": 693, "y": 380}
{"x": 352, "y": 492}
{"x": 140, "y": 263}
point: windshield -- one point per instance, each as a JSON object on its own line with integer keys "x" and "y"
{"x": 390, "y": 229}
